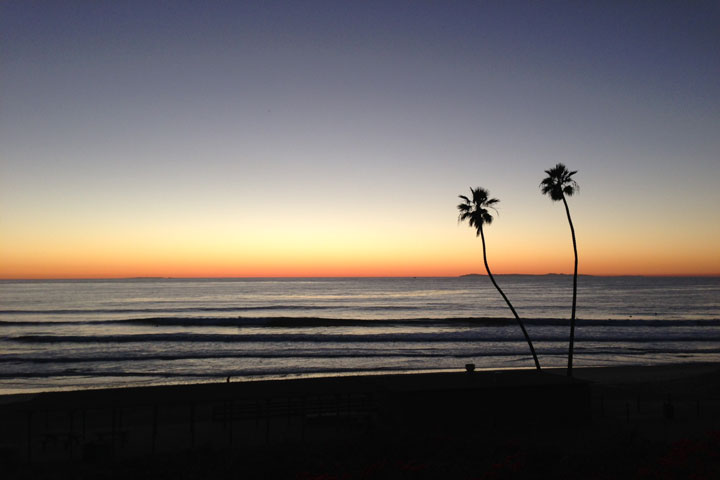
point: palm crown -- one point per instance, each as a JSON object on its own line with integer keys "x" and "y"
{"x": 559, "y": 182}
{"x": 475, "y": 209}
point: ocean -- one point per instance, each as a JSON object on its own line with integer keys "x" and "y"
{"x": 77, "y": 334}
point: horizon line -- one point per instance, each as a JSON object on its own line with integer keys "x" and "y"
{"x": 158, "y": 277}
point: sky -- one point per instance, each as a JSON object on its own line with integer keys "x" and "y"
{"x": 332, "y": 138}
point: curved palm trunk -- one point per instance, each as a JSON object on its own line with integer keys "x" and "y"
{"x": 522, "y": 326}
{"x": 574, "y": 299}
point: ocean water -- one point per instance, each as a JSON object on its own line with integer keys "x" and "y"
{"x": 75, "y": 334}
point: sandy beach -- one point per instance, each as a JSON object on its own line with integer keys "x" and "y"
{"x": 617, "y": 422}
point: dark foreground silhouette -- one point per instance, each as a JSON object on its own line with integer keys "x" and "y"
{"x": 652, "y": 422}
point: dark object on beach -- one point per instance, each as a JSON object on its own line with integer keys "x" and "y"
{"x": 469, "y": 367}
{"x": 475, "y": 211}
{"x": 559, "y": 184}
{"x": 228, "y": 379}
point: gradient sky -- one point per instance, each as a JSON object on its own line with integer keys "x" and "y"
{"x": 222, "y": 138}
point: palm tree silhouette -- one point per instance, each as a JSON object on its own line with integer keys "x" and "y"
{"x": 560, "y": 184}
{"x": 475, "y": 211}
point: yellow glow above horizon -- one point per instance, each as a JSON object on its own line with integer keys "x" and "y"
{"x": 305, "y": 248}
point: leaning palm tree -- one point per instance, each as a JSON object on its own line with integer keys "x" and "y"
{"x": 475, "y": 211}
{"x": 560, "y": 184}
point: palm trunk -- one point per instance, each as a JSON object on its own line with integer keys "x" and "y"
{"x": 574, "y": 299}
{"x": 522, "y": 326}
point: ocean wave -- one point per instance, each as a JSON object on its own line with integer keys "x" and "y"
{"x": 82, "y": 311}
{"x": 354, "y": 338}
{"x": 243, "y": 355}
{"x": 221, "y": 375}
{"x": 254, "y": 338}
{"x": 339, "y": 354}
{"x": 276, "y": 321}
{"x": 302, "y": 321}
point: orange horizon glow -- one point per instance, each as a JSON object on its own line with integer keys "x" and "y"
{"x": 523, "y": 241}
{"x": 328, "y": 271}
{"x": 450, "y": 258}
{"x": 378, "y": 260}
{"x": 223, "y": 277}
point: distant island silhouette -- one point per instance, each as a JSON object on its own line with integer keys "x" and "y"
{"x": 472, "y": 275}
{"x": 146, "y": 278}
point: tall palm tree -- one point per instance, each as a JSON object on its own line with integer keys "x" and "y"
{"x": 559, "y": 184}
{"x": 475, "y": 211}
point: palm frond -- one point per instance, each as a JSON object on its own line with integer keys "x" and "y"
{"x": 559, "y": 182}
{"x": 479, "y": 195}
{"x": 475, "y": 208}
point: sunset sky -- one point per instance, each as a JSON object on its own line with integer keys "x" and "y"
{"x": 305, "y": 138}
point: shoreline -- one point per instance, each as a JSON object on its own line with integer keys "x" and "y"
{"x": 616, "y": 374}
